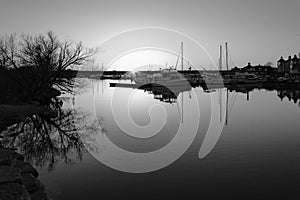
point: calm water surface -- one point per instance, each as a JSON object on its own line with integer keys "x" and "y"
{"x": 256, "y": 156}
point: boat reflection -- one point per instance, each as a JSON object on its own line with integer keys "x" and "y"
{"x": 170, "y": 94}
{"x": 66, "y": 134}
{"x": 160, "y": 92}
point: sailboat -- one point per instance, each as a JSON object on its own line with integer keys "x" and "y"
{"x": 217, "y": 78}
{"x": 166, "y": 77}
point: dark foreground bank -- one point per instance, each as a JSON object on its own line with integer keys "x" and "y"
{"x": 18, "y": 179}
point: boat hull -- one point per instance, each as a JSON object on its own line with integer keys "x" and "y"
{"x": 178, "y": 82}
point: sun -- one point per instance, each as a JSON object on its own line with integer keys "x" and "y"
{"x": 144, "y": 59}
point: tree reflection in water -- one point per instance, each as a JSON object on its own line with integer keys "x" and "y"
{"x": 45, "y": 139}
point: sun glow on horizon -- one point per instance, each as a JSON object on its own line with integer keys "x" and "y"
{"x": 144, "y": 59}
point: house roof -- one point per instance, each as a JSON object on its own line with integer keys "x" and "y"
{"x": 281, "y": 59}
{"x": 295, "y": 58}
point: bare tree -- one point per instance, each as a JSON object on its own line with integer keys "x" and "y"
{"x": 270, "y": 64}
{"x": 45, "y": 57}
{"x": 8, "y": 51}
{"x": 42, "y": 51}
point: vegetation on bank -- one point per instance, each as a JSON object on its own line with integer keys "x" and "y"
{"x": 32, "y": 67}
{"x": 34, "y": 70}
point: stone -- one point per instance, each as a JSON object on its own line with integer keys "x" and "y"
{"x": 18, "y": 156}
{"x": 26, "y": 168}
{"x": 31, "y": 184}
{"x": 13, "y": 191}
{"x": 18, "y": 178}
{"x": 39, "y": 195}
{"x": 9, "y": 175}
{"x": 8, "y": 157}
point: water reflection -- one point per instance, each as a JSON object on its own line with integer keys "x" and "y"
{"x": 291, "y": 95}
{"x": 58, "y": 135}
{"x": 45, "y": 139}
{"x": 171, "y": 93}
{"x": 253, "y": 143}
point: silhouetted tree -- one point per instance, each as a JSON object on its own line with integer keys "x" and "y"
{"x": 45, "y": 52}
{"x": 270, "y": 64}
{"x": 8, "y": 51}
{"x": 42, "y": 59}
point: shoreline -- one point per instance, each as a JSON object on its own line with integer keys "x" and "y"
{"x": 19, "y": 179}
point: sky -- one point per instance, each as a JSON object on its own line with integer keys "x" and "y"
{"x": 257, "y": 31}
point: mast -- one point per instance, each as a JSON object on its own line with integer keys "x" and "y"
{"x": 227, "y": 97}
{"x": 182, "y": 72}
{"x": 220, "y": 61}
{"x": 182, "y": 107}
{"x": 226, "y": 47}
{"x": 227, "y": 94}
{"x": 182, "y": 56}
{"x": 220, "y": 102}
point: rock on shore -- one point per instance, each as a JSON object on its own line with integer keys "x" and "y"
{"x": 18, "y": 179}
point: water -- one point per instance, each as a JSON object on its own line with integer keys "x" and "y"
{"x": 257, "y": 154}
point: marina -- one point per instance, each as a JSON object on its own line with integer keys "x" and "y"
{"x": 148, "y": 99}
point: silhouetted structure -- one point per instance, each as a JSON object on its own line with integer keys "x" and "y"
{"x": 261, "y": 70}
{"x": 291, "y": 65}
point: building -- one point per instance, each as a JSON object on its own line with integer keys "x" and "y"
{"x": 284, "y": 66}
{"x": 295, "y": 65}
{"x": 291, "y": 65}
{"x": 260, "y": 70}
